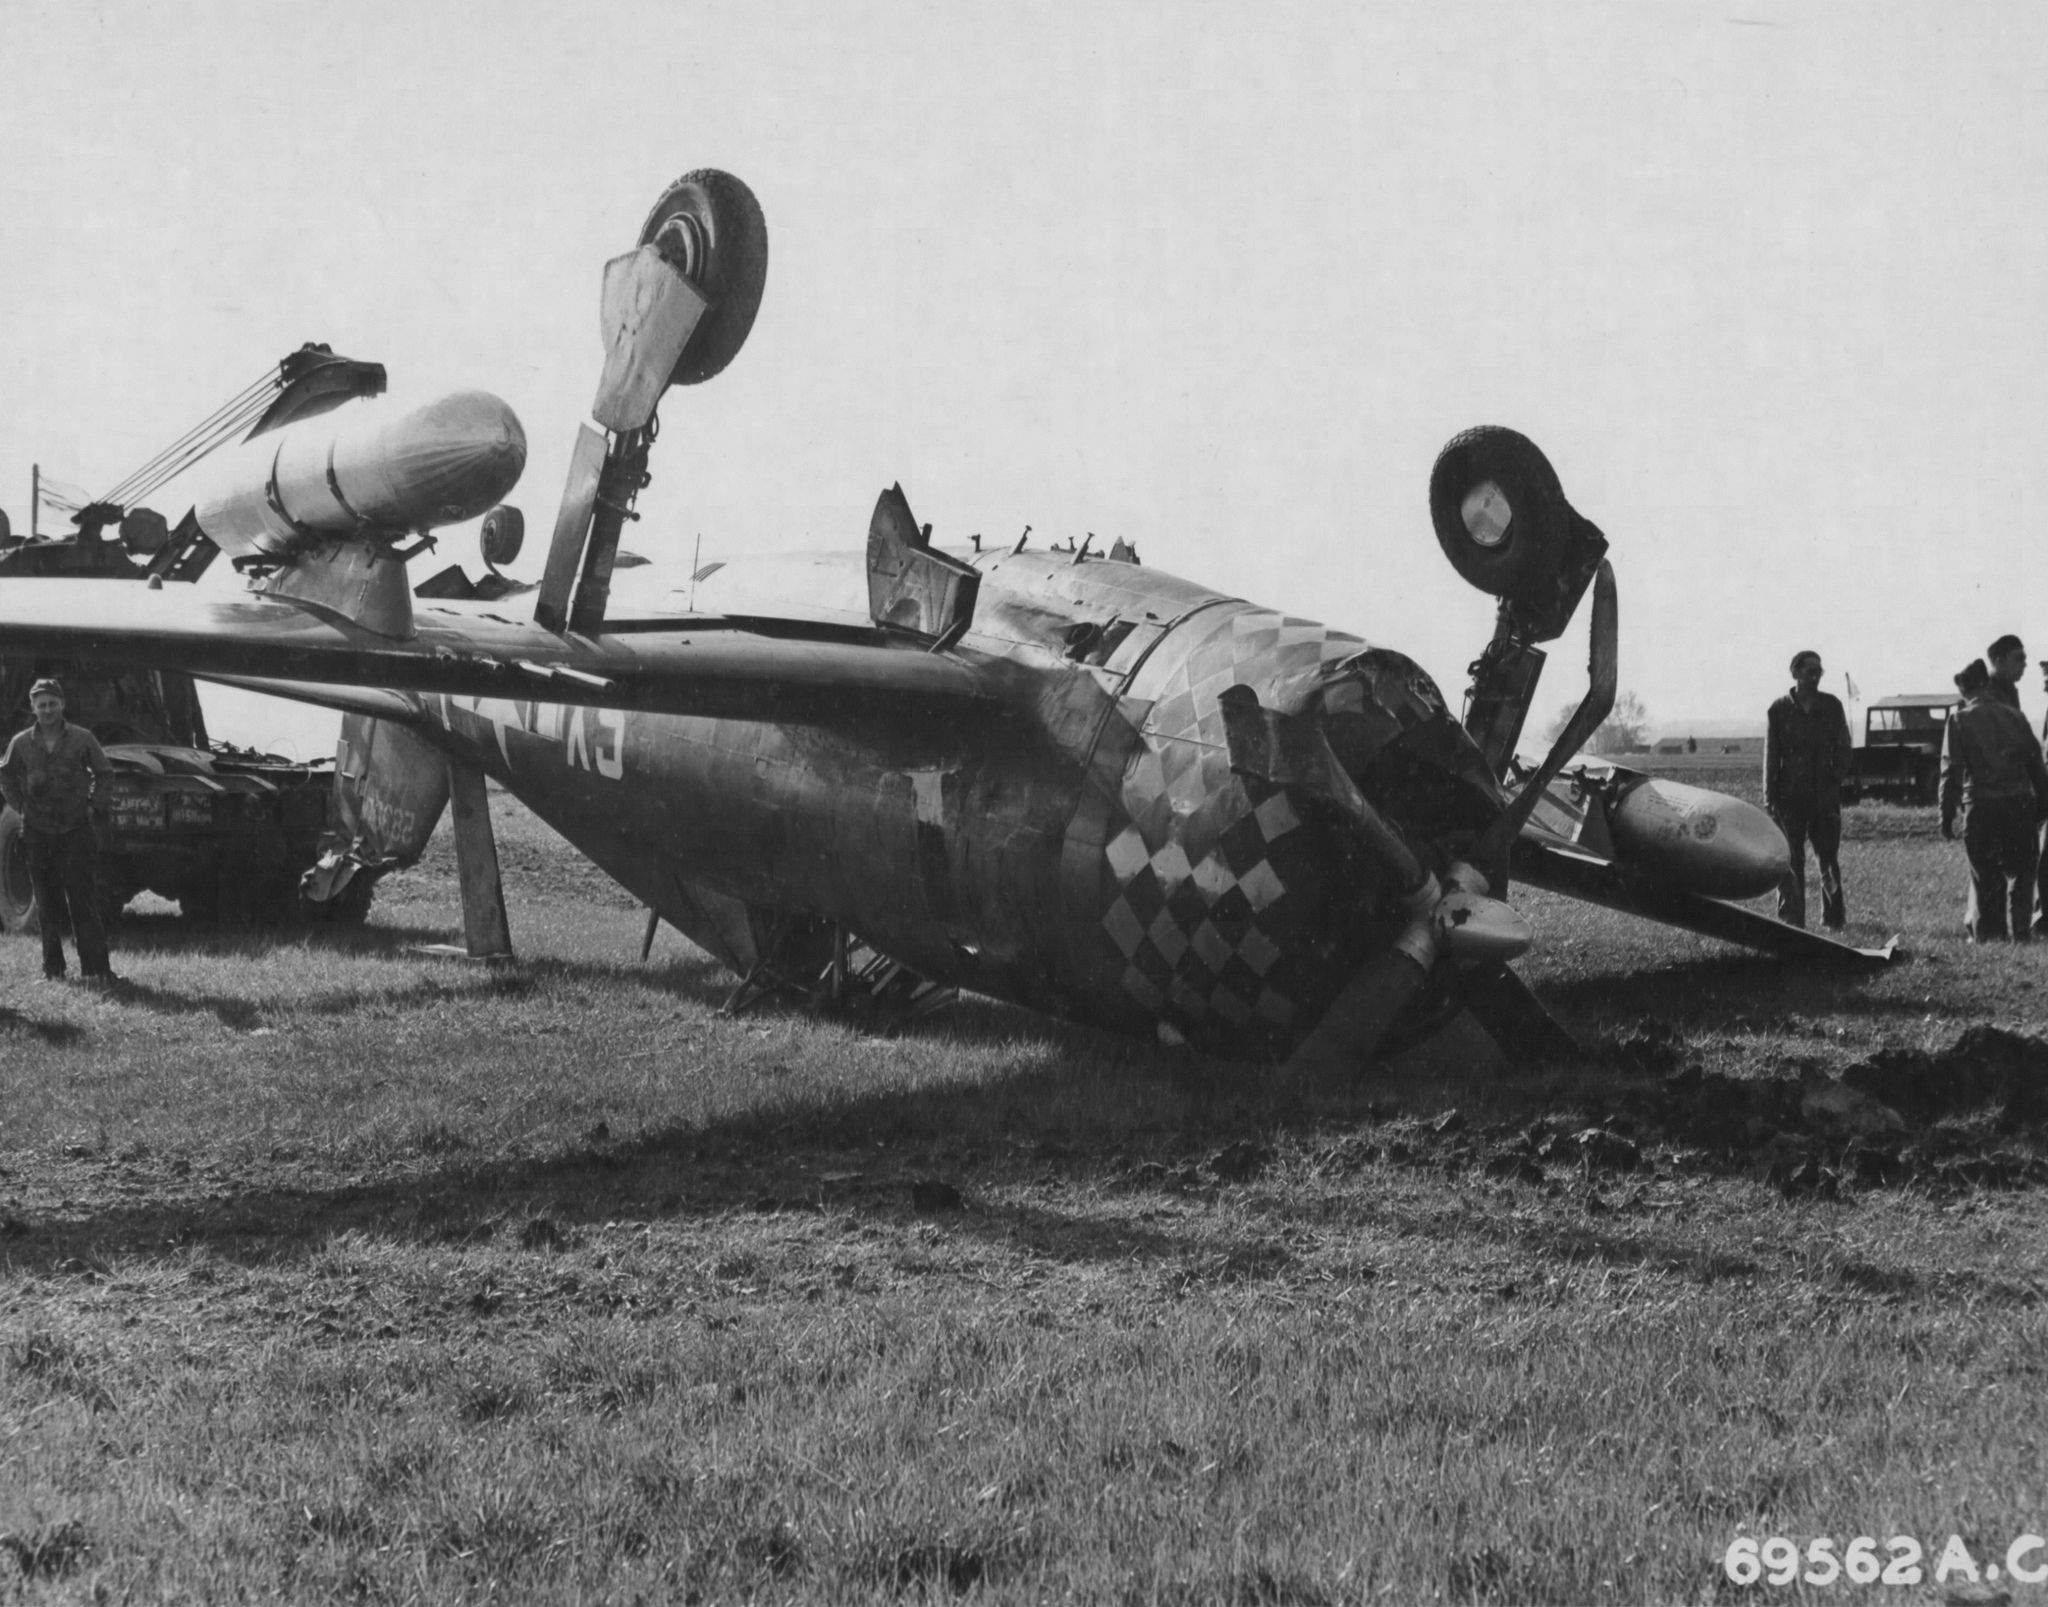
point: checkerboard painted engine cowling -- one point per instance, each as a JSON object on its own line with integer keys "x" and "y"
{"x": 1219, "y": 905}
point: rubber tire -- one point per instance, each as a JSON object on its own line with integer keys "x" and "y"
{"x": 17, "y": 896}
{"x": 734, "y": 273}
{"x": 113, "y": 905}
{"x": 1525, "y": 562}
{"x": 200, "y": 906}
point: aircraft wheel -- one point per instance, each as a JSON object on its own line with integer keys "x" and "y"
{"x": 1500, "y": 514}
{"x": 726, "y": 242}
{"x": 17, "y": 893}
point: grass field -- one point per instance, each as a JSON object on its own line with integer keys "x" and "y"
{"x": 332, "y": 1272}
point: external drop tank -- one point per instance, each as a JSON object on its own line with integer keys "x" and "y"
{"x": 370, "y": 467}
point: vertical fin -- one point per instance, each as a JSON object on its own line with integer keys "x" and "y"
{"x": 911, "y": 588}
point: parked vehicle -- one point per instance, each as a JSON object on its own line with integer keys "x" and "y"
{"x": 1901, "y": 753}
{"x": 226, "y": 832}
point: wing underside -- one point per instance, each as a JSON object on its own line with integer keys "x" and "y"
{"x": 697, "y": 664}
{"x": 1578, "y": 873}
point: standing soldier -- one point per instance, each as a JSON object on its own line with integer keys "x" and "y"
{"x": 1991, "y": 764}
{"x": 2007, "y": 658}
{"x": 1806, "y": 759}
{"x": 2041, "y": 870}
{"x": 51, "y": 774}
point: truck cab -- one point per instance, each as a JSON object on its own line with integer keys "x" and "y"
{"x": 1900, "y": 757}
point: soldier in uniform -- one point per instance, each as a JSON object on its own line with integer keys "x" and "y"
{"x": 1806, "y": 759}
{"x": 51, "y": 774}
{"x": 2007, "y": 660}
{"x": 2041, "y": 869}
{"x": 1991, "y": 764}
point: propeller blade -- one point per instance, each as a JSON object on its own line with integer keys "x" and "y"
{"x": 1514, "y": 1018}
{"x": 1358, "y": 1018}
{"x": 1464, "y": 923}
{"x": 1286, "y": 750}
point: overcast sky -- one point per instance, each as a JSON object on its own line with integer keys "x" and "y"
{"x": 1765, "y": 281}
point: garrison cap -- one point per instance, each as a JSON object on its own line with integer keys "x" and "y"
{"x": 1973, "y": 679}
{"x": 2004, "y": 645}
{"x": 48, "y": 687}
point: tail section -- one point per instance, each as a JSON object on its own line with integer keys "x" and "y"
{"x": 390, "y": 787}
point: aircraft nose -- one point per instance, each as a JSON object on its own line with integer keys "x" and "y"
{"x": 1706, "y": 842}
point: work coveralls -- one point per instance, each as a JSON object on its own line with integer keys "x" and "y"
{"x": 1991, "y": 765}
{"x": 2041, "y": 870}
{"x": 1806, "y": 759}
{"x": 51, "y": 784}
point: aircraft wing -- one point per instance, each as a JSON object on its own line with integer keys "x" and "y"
{"x": 379, "y": 702}
{"x": 696, "y": 664}
{"x": 1576, "y": 872}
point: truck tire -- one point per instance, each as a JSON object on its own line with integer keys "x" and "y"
{"x": 113, "y": 902}
{"x": 200, "y": 904}
{"x": 17, "y": 895}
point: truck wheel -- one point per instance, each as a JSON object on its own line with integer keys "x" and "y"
{"x": 17, "y": 893}
{"x": 112, "y": 902}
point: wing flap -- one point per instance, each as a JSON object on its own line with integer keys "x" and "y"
{"x": 370, "y": 700}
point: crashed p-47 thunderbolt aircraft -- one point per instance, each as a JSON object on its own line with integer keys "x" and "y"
{"x": 1056, "y": 777}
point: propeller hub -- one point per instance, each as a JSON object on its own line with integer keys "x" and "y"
{"x": 1472, "y": 926}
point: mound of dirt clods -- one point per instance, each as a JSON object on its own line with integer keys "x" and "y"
{"x": 1969, "y": 1115}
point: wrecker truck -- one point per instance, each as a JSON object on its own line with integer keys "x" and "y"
{"x": 227, "y": 833}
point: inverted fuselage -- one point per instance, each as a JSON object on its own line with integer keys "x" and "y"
{"x": 1083, "y": 848}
